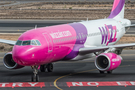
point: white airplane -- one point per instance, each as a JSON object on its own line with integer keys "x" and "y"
{"x": 40, "y": 47}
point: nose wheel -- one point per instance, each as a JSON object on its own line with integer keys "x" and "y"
{"x": 35, "y": 77}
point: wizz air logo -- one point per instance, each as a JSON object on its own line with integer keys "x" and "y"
{"x": 108, "y": 33}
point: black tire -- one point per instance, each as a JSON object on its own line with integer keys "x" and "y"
{"x": 37, "y": 78}
{"x": 109, "y": 72}
{"x": 32, "y": 78}
{"x": 50, "y": 67}
{"x": 102, "y": 72}
{"x": 43, "y": 68}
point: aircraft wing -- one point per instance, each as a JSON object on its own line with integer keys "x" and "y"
{"x": 87, "y": 50}
{"x": 10, "y": 42}
{"x": 131, "y": 25}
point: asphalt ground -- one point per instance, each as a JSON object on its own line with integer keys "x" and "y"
{"x": 20, "y": 26}
{"x": 67, "y": 73}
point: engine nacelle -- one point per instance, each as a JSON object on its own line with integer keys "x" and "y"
{"x": 107, "y": 61}
{"x": 9, "y": 62}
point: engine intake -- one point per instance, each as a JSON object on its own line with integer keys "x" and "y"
{"x": 9, "y": 62}
{"x": 107, "y": 61}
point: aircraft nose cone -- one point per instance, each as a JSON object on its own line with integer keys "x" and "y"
{"x": 23, "y": 56}
{"x": 20, "y": 57}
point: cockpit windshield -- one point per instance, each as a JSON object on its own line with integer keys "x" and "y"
{"x": 18, "y": 42}
{"x": 25, "y": 43}
{"x": 33, "y": 42}
{"x": 38, "y": 42}
{"x": 28, "y": 42}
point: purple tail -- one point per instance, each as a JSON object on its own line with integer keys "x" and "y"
{"x": 118, "y": 9}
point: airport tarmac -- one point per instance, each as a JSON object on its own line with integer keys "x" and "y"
{"x": 79, "y": 75}
{"x": 20, "y": 26}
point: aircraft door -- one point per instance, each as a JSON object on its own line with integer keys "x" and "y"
{"x": 49, "y": 42}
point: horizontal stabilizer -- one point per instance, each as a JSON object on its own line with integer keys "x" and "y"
{"x": 133, "y": 25}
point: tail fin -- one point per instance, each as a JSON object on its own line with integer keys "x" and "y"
{"x": 118, "y": 9}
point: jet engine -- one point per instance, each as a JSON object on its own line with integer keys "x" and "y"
{"x": 107, "y": 61}
{"x": 10, "y": 63}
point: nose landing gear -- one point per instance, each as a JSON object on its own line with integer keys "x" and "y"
{"x": 35, "y": 77}
{"x": 43, "y": 68}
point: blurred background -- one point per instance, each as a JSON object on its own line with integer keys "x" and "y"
{"x": 61, "y": 9}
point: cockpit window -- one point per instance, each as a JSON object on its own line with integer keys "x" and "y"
{"x": 33, "y": 42}
{"x": 30, "y": 42}
{"x": 25, "y": 43}
{"x": 38, "y": 42}
{"x": 19, "y": 42}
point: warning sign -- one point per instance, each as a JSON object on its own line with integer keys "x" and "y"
{"x": 67, "y": 84}
{"x": 23, "y": 84}
{"x": 116, "y": 83}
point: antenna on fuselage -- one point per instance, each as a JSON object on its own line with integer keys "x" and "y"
{"x": 35, "y": 26}
{"x": 87, "y": 19}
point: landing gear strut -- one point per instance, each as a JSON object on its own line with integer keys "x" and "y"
{"x": 35, "y": 77}
{"x": 43, "y": 68}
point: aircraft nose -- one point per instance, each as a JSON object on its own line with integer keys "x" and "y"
{"x": 23, "y": 56}
{"x": 18, "y": 58}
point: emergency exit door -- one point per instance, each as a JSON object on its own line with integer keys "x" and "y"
{"x": 49, "y": 42}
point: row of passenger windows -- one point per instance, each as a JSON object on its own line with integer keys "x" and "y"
{"x": 81, "y": 37}
{"x": 37, "y": 43}
{"x": 28, "y": 42}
